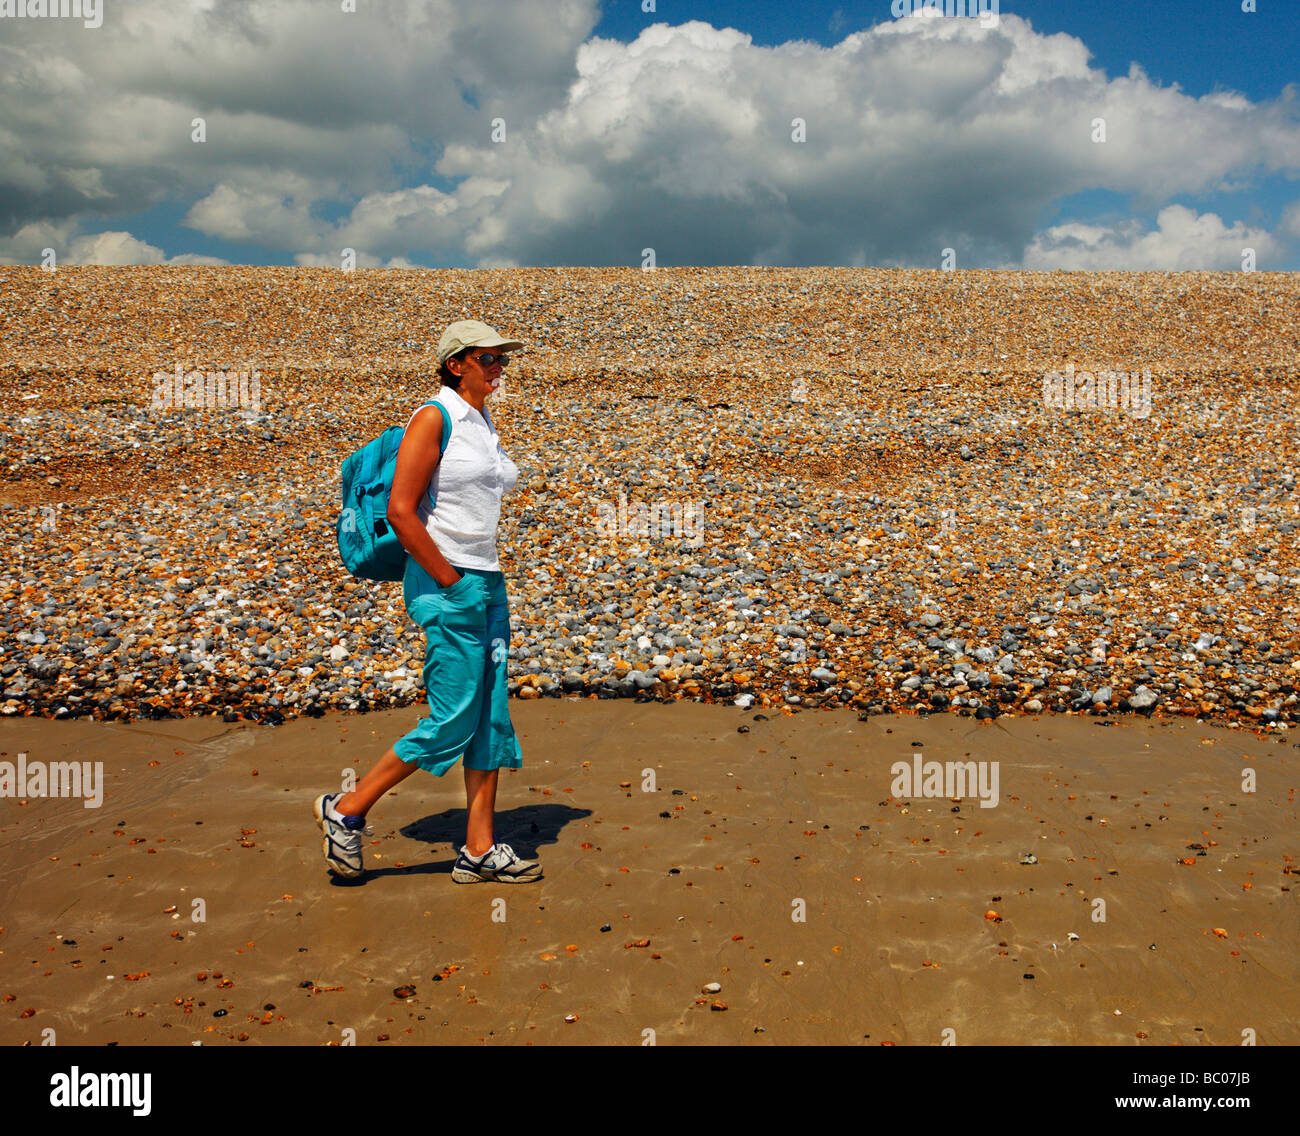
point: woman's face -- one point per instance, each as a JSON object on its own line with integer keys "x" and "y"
{"x": 476, "y": 380}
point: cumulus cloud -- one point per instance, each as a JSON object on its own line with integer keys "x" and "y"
{"x": 278, "y": 212}
{"x": 100, "y": 123}
{"x": 920, "y": 135}
{"x": 1182, "y": 240}
{"x": 28, "y": 246}
{"x": 551, "y": 147}
{"x": 360, "y": 260}
{"x": 122, "y": 248}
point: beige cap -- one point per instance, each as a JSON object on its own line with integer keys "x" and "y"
{"x": 471, "y": 333}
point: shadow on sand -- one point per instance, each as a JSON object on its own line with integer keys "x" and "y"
{"x": 526, "y": 829}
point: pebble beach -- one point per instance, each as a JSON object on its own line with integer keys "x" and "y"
{"x": 772, "y": 488}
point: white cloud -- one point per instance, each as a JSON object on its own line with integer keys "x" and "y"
{"x": 346, "y": 104}
{"x": 921, "y": 134}
{"x": 113, "y": 248}
{"x": 122, "y": 248}
{"x": 363, "y": 260}
{"x": 1182, "y": 240}
{"x": 269, "y": 215}
{"x": 27, "y": 246}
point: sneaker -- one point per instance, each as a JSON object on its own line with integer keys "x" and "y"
{"x": 342, "y": 842}
{"x": 498, "y": 864}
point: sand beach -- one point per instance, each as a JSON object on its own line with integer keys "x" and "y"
{"x": 777, "y": 532}
{"x": 1158, "y": 908}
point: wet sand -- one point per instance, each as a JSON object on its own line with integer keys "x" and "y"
{"x": 920, "y": 917}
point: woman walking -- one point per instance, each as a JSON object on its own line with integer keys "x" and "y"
{"x": 455, "y": 590}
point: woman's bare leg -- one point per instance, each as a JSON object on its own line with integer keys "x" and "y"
{"x": 480, "y": 797}
{"x": 390, "y": 770}
{"x": 480, "y": 805}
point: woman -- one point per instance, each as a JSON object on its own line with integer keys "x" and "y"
{"x": 455, "y": 590}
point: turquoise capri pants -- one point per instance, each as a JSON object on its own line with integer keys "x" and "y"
{"x": 468, "y": 630}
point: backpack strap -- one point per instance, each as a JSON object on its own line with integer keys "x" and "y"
{"x": 446, "y": 433}
{"x": 446, "y": 422}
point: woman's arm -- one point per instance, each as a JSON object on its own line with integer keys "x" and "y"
{"x": 417, "y": 458}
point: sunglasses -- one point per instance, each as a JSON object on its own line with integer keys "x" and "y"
{"x": 487, "y": 359}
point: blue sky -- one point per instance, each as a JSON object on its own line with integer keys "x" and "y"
{"x": 622, "y": 130}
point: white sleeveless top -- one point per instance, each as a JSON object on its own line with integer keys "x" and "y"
{"x": 468, "y": 484}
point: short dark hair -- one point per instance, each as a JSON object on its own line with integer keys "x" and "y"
{"x": 444, "y": 372}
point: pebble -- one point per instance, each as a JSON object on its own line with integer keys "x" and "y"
{"x": 898, "y": 524}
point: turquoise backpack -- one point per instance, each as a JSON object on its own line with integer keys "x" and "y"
{"x": 367, "y": 543}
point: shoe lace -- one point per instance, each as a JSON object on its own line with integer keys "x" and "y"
{"x": 348, "y": 838}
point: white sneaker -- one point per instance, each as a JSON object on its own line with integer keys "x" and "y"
{"x": 498, "y": 864}
{"x": 342, "y": 844}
